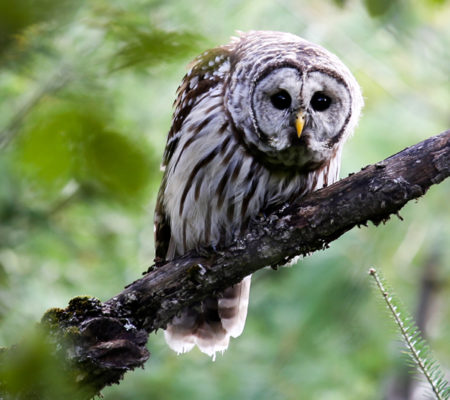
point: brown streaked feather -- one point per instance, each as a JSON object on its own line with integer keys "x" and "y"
{"x": 255, "y": 167}
{"x": 189, "y": 94}
{"x": 162, "y": 227}
{"x": 202, "y": 163}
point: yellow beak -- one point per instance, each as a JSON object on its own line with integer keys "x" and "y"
{"x": 299, "y": 123}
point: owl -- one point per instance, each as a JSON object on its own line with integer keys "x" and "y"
{"x": 258, "y": 122}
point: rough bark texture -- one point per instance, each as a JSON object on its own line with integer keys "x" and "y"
{"x": 103, "y": 341}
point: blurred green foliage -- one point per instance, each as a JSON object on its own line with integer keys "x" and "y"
{"x": 86, "y": 91}
{"x": 33, "y": 365}
{"x": 67, "y": 140}
{"x": 24, "y": 14}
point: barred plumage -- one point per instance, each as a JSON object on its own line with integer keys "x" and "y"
{"x": 257, "y": 122}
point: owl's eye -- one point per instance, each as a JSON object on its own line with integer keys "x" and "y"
{"x": 320, "y": 101}
{"x": 281, "y": 100}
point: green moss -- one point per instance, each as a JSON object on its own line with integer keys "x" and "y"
{"x": 83, "y": 303}
{"x": 53, "y": 317}
{"x": 64, "y": 321}
{"x": 71, "y": 333}
{"x": 193, "y": 272}
{"x": 83, "y": 306}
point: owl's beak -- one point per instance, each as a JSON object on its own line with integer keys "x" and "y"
{"x": 299, "y": 123}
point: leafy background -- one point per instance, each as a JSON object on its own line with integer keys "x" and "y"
{"x": 86, "y": 91}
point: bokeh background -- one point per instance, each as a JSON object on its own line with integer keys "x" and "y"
{"x": 86, "y": 92}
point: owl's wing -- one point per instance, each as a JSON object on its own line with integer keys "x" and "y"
{"x": 162, "y": 226}
{"x": 206, "y": 72}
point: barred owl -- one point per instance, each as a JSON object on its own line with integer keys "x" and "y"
{"x": 257, "y": 122}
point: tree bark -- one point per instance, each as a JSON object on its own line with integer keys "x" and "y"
{"x": 100, "y": 342}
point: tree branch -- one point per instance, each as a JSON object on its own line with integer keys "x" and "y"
{"x": 103, "y": 341}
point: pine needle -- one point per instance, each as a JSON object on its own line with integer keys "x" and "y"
{"x": 418, "y": 349}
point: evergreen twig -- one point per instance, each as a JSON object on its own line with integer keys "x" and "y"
{"x": 418, "y": 349}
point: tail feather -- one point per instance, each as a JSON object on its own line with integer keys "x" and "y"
{"x": 211, "y": 338}
{"x": 211, "y": 325}
{"x": 177, "y": 341}
{"x": 178, "y": 334}
{"x": 233, "y": 307}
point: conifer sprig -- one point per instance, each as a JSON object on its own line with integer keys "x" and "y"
{"x": 417, "y": 348}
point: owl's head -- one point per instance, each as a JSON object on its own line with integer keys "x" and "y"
{"x": 293, "y": 103}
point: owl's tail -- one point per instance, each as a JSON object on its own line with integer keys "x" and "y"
{"x": 210, "y": 324}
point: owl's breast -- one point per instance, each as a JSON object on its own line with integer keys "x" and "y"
{"x": 212, "y": 187}
{"x": 216, "y": 187}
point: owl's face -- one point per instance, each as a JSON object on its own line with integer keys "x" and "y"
{"x": 301, "y": 102}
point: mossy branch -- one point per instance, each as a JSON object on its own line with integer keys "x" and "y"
{"x": 100, "y": 342}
